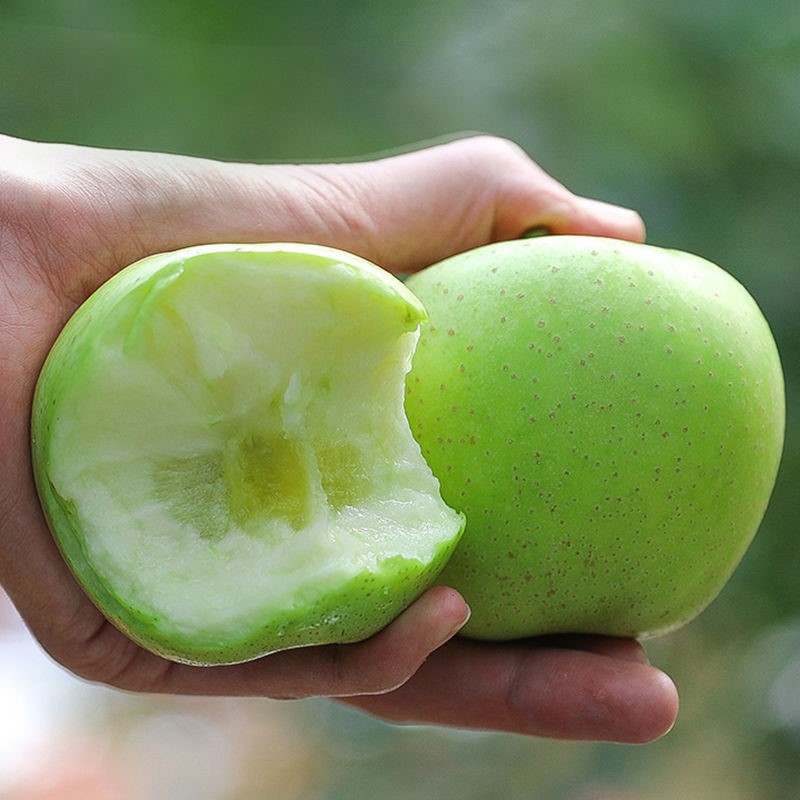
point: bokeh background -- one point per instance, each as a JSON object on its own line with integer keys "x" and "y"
{"x": 688, "y": 111}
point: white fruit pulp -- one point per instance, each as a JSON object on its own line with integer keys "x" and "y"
{"x": 223, "y": 456}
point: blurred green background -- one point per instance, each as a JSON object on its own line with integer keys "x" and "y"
{"x": 687, "y": 111}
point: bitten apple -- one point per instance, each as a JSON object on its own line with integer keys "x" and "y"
{"x": 609, "y": 416}
{"x": 222, "y": 453}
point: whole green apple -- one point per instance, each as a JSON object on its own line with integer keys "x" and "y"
{"x": 608, "y": 416}
{"x": 223, "y": 457}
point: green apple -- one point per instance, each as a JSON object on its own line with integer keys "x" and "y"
{"x": 609, "y": 417}
{"x": 222, "y": 454}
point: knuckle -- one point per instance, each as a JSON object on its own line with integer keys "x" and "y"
{"x": 492, "y": 149}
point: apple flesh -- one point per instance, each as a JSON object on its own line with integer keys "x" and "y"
{"x": 223, "y": 457}
{"x": 608, "y": 416}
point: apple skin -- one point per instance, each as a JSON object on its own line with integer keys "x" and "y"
{"x": 609, "y": 417}
{"x": 201, "y": 344}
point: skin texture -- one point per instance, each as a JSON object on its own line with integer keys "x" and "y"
{"x": 609, "y": 416}
{"x": 70, "y": 217}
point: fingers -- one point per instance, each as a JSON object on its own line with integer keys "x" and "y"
{"x": 557, "y": 692}
{"x": 378, "y": 664}
{"x": 585, "y": 688}
{"x": 565, "y": 687}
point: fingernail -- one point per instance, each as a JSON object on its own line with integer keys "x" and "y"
{"x": 625, "y": 219}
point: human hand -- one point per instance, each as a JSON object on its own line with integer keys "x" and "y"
{"x": 70, "y": 217}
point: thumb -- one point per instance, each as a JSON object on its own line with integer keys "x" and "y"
{"x": 408, "y": 211}
{"x": 403, "y": 212}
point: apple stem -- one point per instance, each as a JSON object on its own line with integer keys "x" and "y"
{"x": 536, "y": 230}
